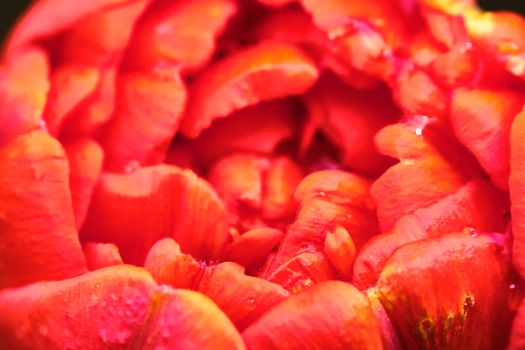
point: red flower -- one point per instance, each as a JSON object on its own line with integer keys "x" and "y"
{"x": 272, "y": 174}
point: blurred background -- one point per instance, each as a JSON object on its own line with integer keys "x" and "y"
{"x": 10, "y": 10}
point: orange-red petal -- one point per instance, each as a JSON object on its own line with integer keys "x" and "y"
{"x": 253, "y": 247}
{"x": 112, "y": 308}
{"x": 168, "y": 265}
{"x": 85, "y": 166}
{"x": 448, "y": 292}
{"x": 475, "y": 207}
{"x": 135, "y": 210}
{"x": 242, "y": 298}
{"x": 148, "y": 108}
{"x": 99, "y": 255}
{"x": 240, "y": 80}
{"x": 517, "y": 190}
{"x": 24, "y": 85}
{"x": 481, "y": 120}
{"x": 331, "y": 315}
{"x": 39, "y": 240}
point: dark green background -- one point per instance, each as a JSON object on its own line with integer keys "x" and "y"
{"x": 11, "y": 9}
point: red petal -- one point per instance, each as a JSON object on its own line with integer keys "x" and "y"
{"x": 436, "y": 299}
{"x": 147, "y": 112}
{"x": 190, "y": 321}
{"x": 112, "y": 308}
{"x": 100, "y": 38}
{"x": 70, "y": 85}
{"x": 477, "y": 206}
{"x": 96, "y": 110}
{"x": 99, "y": 255}
{"x": 23, "y": 91}
{"x": 85, "y": 164}
{"x": 331, "y": 315}
{"x": 179, "y": 32}
{"x": 303, "y": 271}
{"x": 517, "y": 338}
{"x": 137, "y": 209}
{"x": 517, "y": 189}
{"x": 421, "y": 177}
{"x": 418, "y": 94}
{"x": 48, "y": 17}
{"x": 169, "y": 266}
{"x": 252, "y": 248}
{"x": 256, "y": 188}
{"x": 350, "y": 118}
{"x": 279, "y": 185}
{"x": 240, "y": 80}
{"x": 39, "y": 240}
{"x": 242, "y": 298}
{"x": 324, "y": 206}
{"x": 337, "y": 186}
{"x": 260, "y": 128}
{"x": 481, "y": 120}
{"x": 340, "y": 250}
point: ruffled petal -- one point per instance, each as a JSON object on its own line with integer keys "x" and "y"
{"x": 39, "y": 240}
{"x": 240, "y": 80}
{"x": 436, "y": 298}
{"x": 85, "y": 165}
{"x": 99, "y": 255}
{"x": 330, "y": 315}
{"x": 475, "y": 207}
{"x": 136, "y": 209}
{"x": 517, "y": 189}
{"x": 242, "y": 298}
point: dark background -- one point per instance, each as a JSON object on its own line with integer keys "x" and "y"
{"x": 11, "y": 9}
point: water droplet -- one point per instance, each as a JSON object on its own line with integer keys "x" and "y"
{"x": 512, "y": 286}
{"x": 131, "y": 166}
{"x": 470, "y": 231}
{"x": 250, "y": 301}
{"x": 321, "y": 194}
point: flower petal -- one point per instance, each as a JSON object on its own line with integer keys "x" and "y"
{"x": 330, "y": 315}
{"x": 148, "y": 108}
{"x": 85, "y": 165}
{"x": 260, "y": 128}
{"x": 48, "y": 17}
{"x": 39, "y": 240}
{"x": 475, "y": 207}
{"x": 169, "y": 266}
{"x": 24, "y": 86}
{"x": 178, "y": 32}
{"x": 242, "y": 298}
{"x": 100, "y": 38}
{"x": 99, "y": 255}
{"x": 517, "y": 189}
{"x": 303, "y": 271}
{"x": 240, "y": 80}
{"x": 253, "y": 247}
{"x": 436, "y": 298}
{"x": 137, "y": 209}
{"x": 481, "y": 120}
{"x": 350, "y": 118}
{"x": 421, "y": 177}
{"x": 112, "y": 308}
{"x": 70, "y": 85}
{"x": 256, "y": 189}
{"x": 517, "y": 338}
